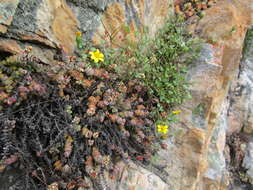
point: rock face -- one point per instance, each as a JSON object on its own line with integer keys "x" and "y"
{"x": 53, "y": 23}
{"x": 222, "y": 82}
{"x": 241, "y": 106}
{"x": 197, "y": 159}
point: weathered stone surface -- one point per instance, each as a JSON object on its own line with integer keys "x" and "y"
{"x": 136, "y": 15}
{"x": 239, "y": 114}
{"x": 133, "y": 177}
{"x": 53, "y": 23}
{"x": 248, "y": 160}
{"x": 47, "y": 22}
{"x": 241, "y": 106}
{"x": 7, "y": 11}
{"x": 226, "y": 22}
{"x": 8, "y": 45}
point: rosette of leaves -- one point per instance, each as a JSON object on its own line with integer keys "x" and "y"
{"x": 15, "y": 78}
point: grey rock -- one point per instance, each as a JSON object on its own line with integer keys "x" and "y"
{"x": 240, "y": 112}
{"x": 248, "y": 160}
{"x": 25, "y": 17}
{"x": 7, "y": 11}
{"x": 98, "y": 4}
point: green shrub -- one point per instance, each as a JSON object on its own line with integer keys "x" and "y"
{"x": 165, "y": 76}
{"x": 160, "y": 64}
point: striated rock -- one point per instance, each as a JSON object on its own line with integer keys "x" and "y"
{"x": 226, "y": 22}
{"x": 133, "y": 177}
{"x": 240, "y": 108}
{"x": 53, "y": 24}
{"x": 135, "y": 15}
{"x": 50, "y": 23}
{"x": 197, "y": 153}
{"x": 246, "y": 81}
{"x": 8, "y": 45}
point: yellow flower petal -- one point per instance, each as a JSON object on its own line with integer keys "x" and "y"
{"x": 176, "y": 112}
{"x": 97, "y": 56}
{"x": 101, "y": 55}
{"x": 79, "y": 33}
{"x": 162, "y": 129}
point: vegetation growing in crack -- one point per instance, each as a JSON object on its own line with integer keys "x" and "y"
{"x": 68, "y": 123}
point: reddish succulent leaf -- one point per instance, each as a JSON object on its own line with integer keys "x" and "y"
{"x": 89, "y": 161}
{"x": 113, "y": 117}
{"x": 3, "y": 95}
{"x": 87, "y": 83}
{"x": 10, "y": 100}
{"x": 102, "y": 104}
{"x": 140, "y": 107}
{"x": 71, "y": 186}
{"x": 23, "y": 89}
{"x": 77, "y": 75}
{"x": 140, "y": 113}
{"x": 13, "y": 158}
{"x": 140, "y": 158}
{"x": 34, "y": 86}
{"x": 68, "y": 147}
{"x": 137, "y": 122}
{"x": 93, "y": 174}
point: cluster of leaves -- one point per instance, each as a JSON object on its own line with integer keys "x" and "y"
{"x": 15, "y": 78}
{"x": 69, "y": 123}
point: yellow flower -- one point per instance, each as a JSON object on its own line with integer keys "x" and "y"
{"x": 162, "y": 129}
{"x": 79, "y": 33}
{"x": 176, "y": 112}
{"x": 96, "y": 56}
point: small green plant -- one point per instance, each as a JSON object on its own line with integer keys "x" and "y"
{"x": 158, "y": 64}
{"x": 164, "y": 73}
{"x": 79, "y": 40}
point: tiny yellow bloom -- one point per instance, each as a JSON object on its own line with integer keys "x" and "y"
{"x": 96, "y": 56}
{"x": 176, "y": 112}
{"x": 79, "y": 33}
{"x": 162, "y": 129}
